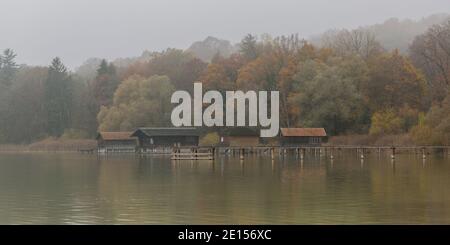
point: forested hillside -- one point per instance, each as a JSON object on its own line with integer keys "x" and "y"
{"x": 354, "y": 82}
{"x": 391, "y": 34}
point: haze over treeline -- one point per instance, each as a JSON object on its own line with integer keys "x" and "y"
{"x": 391, "y": 78}
{"x": 75, "y": 30}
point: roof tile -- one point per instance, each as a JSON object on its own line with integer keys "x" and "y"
{"x": 115, "y": 135}
{"x": 308, "y": 132}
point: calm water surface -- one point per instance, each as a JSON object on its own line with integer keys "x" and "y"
{"x": 44, "y": 188}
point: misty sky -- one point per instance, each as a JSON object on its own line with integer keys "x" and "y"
{"x": 75, "y": 30}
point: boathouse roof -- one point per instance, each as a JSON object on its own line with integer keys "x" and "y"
{"x": 303, "y": 132}
{"x": 181, "y": 131}
{"x": 115, "y": 136}
{"x": 240, "y": 131}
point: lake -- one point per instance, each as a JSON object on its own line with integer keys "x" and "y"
{"x": 71, "y": 188}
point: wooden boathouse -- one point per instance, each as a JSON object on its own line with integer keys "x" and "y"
{"x": 239, "y": 136}
{"x": 108, "y": 142}
{"x": 302, "y": 136}
{"x": 162, "y": 140}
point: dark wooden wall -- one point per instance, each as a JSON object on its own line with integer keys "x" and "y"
{"x": 301, "y": 140}
{"x": 145, "y": 141}
{"x": 103, "y": 143}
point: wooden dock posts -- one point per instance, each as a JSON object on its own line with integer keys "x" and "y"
{"x": 301, "y": 152}
{"x": 193, "y": 153}
{"x": 272, "y": 153}
{"x": 361, "y": 152}
{"x": 241, "y": 153}
{"x": 424, "y": 156}
{"x": 393, "y": 153}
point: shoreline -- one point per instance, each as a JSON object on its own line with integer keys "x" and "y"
{"x": 367, "y": 142}
{"x": 51, "y": 145}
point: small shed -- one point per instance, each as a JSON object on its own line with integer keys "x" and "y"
{"x": 240, "y": 136}
{"x": 151, "y": 138}
{"x": 116, "y": 142}
{"x": 302, "y": 136}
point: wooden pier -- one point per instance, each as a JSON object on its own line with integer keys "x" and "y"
{"x": 193, "y": 153}
{"x": 209, "y": 153}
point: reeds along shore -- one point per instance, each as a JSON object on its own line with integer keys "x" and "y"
{"x": 372, "y": 140}
{"x": 49, "y": 145}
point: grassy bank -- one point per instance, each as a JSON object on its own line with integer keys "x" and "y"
{"x": 52, "y": 144}
{"x": 371, "y": 140}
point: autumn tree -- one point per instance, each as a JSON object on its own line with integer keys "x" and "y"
{"x": 324, "y": 97}
{"x": 358, "y": 42}
{"x": 138, "y": 102}
{"x": 393, "y": 82}
{"x": 216, "y": 78}
{"x": 434, "y": 127}
{"x": 105, "y": 83}
{"x": 221, "y": 74}
{"x": 258, "y": 74}
{"x": 386, "y": 122}
{"x": 263, "y": 72}
{"x": 274, "y": 68}
{"x": 431, "y": 53}
{"x": 182, "y": 68}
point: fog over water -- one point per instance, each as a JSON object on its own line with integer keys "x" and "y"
{"x": 75, "y": 30}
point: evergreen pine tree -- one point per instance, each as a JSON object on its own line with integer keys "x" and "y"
{"x": 8, "y": 67}
{"x": 58, "y": 98}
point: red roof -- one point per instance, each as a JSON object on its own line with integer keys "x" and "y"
{"x": 116, "y": 135}
{"x": 308, "y": 132}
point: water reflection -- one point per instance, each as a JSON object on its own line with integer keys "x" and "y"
{"x": 86, "y": 189}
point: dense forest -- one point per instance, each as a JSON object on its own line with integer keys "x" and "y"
{"x": 349, "y": 82}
